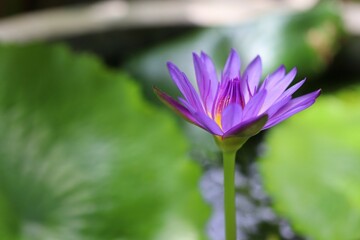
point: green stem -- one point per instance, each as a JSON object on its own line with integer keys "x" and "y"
{"x": 229, "y": 194}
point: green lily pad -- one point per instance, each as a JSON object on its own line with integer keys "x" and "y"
{"x": 312, "y": 166}
{"x": 84, "y": 156}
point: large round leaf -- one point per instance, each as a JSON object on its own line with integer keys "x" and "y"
{"x": 312, "y": 166}
{"x": 83, "y": 156}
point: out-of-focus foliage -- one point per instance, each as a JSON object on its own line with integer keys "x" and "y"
{"x": 83, "y": 156}
{"x": 312, "y": 168}
{"x": 307, "y": 40}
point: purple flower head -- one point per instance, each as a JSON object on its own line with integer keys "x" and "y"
{"x": 236, "y": 105}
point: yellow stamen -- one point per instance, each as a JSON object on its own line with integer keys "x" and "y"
{"x": 218, "y": 119}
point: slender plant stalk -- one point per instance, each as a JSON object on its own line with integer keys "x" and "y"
{"x": 229, "y": 194}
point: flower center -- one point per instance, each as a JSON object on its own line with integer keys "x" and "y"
{"x": 229, "y": 93}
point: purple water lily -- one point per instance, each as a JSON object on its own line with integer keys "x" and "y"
{"x": 229, "y": 107}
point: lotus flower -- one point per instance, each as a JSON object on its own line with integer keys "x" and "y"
{"x": 239, "y": 105}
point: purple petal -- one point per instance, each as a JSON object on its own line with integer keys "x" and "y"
{"x": 247, "y": 128}
{"x": 275, "y": 107}
{"x": 208, "y": 123}
{"x": 292, "y": 107}
{"x": 254, "y": 105}
{"x": 201, "y": 80}
{"x": 202, "y": 119}
{"x": 206, "y": 79}
{"x": 231, "y": 116}
{"x": 186, "y": 104}
{"x": 275, "y": 91}
{"x": 284, "y": 98}
{"x": 251, "y": 77}
{"x": 211, "y": 71}
{"x": 232, "y": 67}
{"x": 185, "y": 87}
{"x": 292, "y": 89}
{"x": 271, "y": 80}
{"x": 177, "y": 107}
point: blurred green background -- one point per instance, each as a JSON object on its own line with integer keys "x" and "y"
{"x": 88, "y": 152}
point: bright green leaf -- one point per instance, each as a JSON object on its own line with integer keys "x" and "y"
{"x": 83, "y": 156}
{"x": 312, "y": 166}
